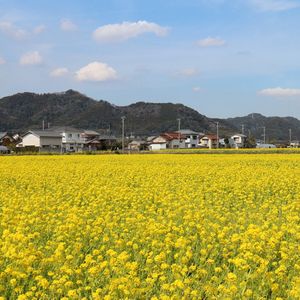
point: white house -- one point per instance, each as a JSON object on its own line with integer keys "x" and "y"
{"x": 46, "y": 140}
{"x": 72, "y": 140}
{"x": 295, "y": 144}
{"x": 208, "y": 141}
{"x": 239, "y": 140}
{"x": 168, "y": 140}
{"x": 158, "y": 143}
{"x": 190, "y": 137}
{"x": 136, "y": 145}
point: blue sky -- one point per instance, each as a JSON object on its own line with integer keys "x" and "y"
{"x": 222, "y": 57}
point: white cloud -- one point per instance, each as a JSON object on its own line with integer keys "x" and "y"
{"x": 67, "y": 25}
{"x": 59, "y": 72}
{"x": 96, "y": 71}
{"x": 31, "y": 58}
{"x": 188, "y": 72}
{"x": 211, "y": 42}
{"x": 13, "y": 31}
{"x": 2, "y": 61}
{"x": 127, "y": 30}
{"x": 280, "y": 92}
{"x": 39, "y": 29}
{"x": 197, "y": 89}
{"x": 274, "y": 5}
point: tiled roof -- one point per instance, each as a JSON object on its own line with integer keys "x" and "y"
{"x": 44, "y": 133}
{"x": 172, "y": 136}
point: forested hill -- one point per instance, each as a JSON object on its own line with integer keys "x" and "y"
{"x": 27, "y": 110}
{"x": 24, "y": 111}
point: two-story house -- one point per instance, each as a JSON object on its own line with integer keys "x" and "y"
{"x": 191, "y": 138}
{"x": 239, "y": 140}
{"x": 209, "y": 141}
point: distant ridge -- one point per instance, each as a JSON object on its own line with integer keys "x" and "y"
{"x": 24, "y": 111}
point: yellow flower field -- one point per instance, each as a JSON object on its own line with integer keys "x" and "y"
{"x": 150, "y": 227}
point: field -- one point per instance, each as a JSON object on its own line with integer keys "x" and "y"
{"x": 150, "y": 227}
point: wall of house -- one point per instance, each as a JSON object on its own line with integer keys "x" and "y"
{"x": 190, "y": 141}
{"x": 31, "y": 140}
{"x": 203, "y": 142}
{"x": 155, "y": 147}
{"x": 177, "y": 144}
{"x": 50, "y": 141}
{"x": 72, "y": 137}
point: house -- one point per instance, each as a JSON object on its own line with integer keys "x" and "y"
{"x": 158, "y": 143}
{"x": 239, "y": 140}
{"x": 168, "y": 140}
{"x": 137, "y": 145}
{"x": 72, "y": 140}
{"x": 295, "y": 144}
{"x": 100, "y": 142}
{"x": 6, "y": 139}
{"x": 208, "y": 141}
{"x": 89, "y": 135}
{"x": 45, "y": 140}
{"x": 191, "y": 138}
{"x": 226, "y": 143}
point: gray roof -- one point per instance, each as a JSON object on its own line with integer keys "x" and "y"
{"x": 187, "y": 131}
{"x": 44, "y": 133}
{"x": 91, "y": 132}
{"x": 65, "y": 129}
{"x": 2, "y": 134}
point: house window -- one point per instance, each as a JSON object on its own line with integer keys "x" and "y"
{"x": 69, "y": 135}
{"x": 194, "y": 137}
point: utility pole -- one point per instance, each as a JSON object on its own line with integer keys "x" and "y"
{"x": 217, "y": 134}
{"x": 123, "y": 133}
{"x": 43, "y": 125}
{"x": 179, "y": 123}
{"x": 243, "y": 128}
{"x": 264, "y": 134}
{"x": 48, "y": 125}
{"x": 290, "y": 134}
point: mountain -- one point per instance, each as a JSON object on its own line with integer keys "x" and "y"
{"x": 277, "y": 128}
{"x": 24, "y": 111}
